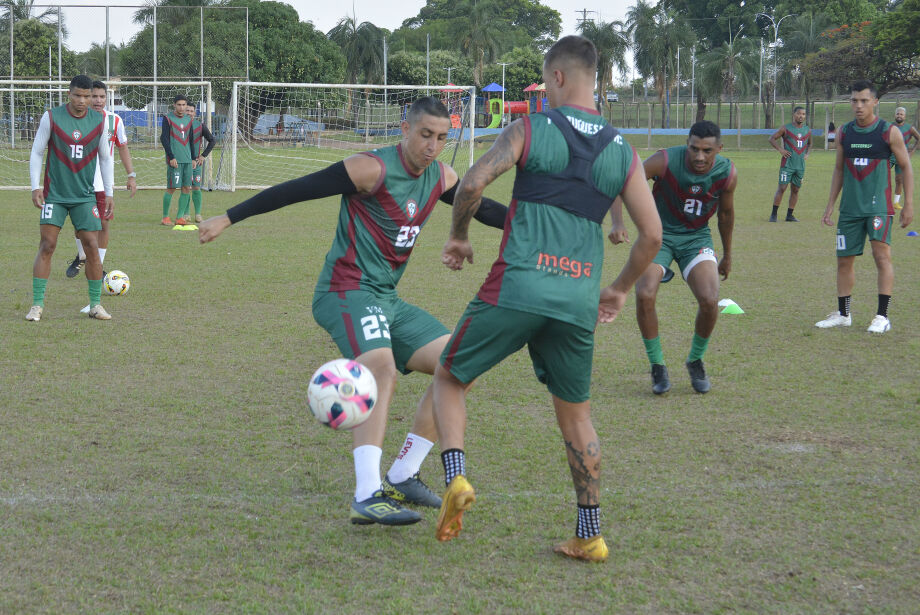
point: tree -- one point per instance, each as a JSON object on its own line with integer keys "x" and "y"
{"x": 23, "y": 10}
{"x": 657, "y": 33}
{"x": 895, "y": 61}
{"x": 611, "y": 40}
{"x": 525, "y": 66}
{"x": 480, "y": 37}
{"x": 729, "y": 68}
{"x": 802, "y": 38}
{"x": 362, "y": 46}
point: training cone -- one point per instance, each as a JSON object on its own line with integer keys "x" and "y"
{"x": 726, "y": 302}
{"x": 734, "y": 308}
{"x": 911, "y": 233}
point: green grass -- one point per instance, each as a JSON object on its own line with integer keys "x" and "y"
{"x": 165, "y": 461}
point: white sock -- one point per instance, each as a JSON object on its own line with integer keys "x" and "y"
{"x": 80, "y": 251}
{"x": 102, "y": 252}
{"x": 897, "y": 198}
{"x": 367, "y": 471}
{"x": 410, "y": 458}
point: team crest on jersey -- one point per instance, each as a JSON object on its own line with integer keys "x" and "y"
{"x": 77, "y": 135}
{"x": 411, "y": 208}
{"x": 695, "y": 189}
{"x": 877, "y": 222}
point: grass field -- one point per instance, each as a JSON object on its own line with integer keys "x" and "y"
{"x": 165, "y": 461}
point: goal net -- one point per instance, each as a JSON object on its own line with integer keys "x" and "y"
{"x": 140, "y": 104}
{"x": 280, "y": 131}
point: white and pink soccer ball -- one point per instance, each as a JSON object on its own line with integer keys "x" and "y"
{"x": 342, "y": 394}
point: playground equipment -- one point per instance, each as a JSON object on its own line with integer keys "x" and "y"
{"x": 512, "y": 107}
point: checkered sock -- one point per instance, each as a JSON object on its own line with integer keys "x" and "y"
{"x": 589, "y": 521}
{"x": 843, "y": 305}
{"x": 454, "y": 461}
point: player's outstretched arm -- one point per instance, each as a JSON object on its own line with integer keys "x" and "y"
{"x": 726, "y": 217}
{"x": 836, "y": 182}
{"x": 491, "y": 213}
{"x": 641, "y": 208}
{"x": 355, "y": 174}
{"x": 901, "y": 155}
{"x": 655, "y": 166}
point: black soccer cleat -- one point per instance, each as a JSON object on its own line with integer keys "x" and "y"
{"x": 791, "y": 218}
{"x": 383, "y": 510}
{"x": 75, "y": 266}
{"x": 773, "y": 218}
{"x": 698, "y": 377}
{"x": 661, "y": 384}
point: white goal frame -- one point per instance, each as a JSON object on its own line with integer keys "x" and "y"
{"x": 466, "y": 134}
{"x": 59, "y": 87}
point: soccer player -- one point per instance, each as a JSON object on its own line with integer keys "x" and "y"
{"x": 73, "y": 135}
{"x": 862, "y": 174}
{"x": 114, "y": 136}
{"x": 199, "y": 132}
{"x": 176, "y": 140}
{"x": 692, "y": 183}
{"x": 909, "y": 132}
{"x": 796, "y": 143}
{"x": 544, "y": 289}
{"x": 387, "y": 196}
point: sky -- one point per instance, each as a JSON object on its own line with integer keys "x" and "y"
{"x": 87, "y": 24}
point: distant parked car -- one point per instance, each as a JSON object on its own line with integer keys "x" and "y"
{"x": 613, "y": 97}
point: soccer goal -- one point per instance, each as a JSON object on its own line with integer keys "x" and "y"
{"x": 280, "y": 131}
{"x": 140, "y": 104}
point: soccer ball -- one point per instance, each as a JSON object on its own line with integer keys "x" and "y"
{"x": 342, "y": 394}
{"x": 116, "y": 283}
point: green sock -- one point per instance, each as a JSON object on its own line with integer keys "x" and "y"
{"x": 167, "y": 202}
{"x": 38, "y": 291}
{"x": 697, "y": 348}
{"x": 183, "y": 205}
{"x": 196, "y": 199}
{"x": 95, "y": 292}
{"x": 653, "y": 350}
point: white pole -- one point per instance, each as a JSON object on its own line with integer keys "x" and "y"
{"x": 427, "y": 60}
{"x": 107, "y": 65}
{"x": 503, "y": 65}
{"x": 677, "y": 97}
{"x": 760, "y": 80}
{"x": 60, "y": 64}
{"x": 156, "y": 109}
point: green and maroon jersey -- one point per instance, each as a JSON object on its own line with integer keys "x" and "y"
{"x": 180, "y": 133}
{"x": 685, "y": 200}
{"x": 552, "y": 251}
{"x": 377, "y": 231}
{"x": 866, "y": 174}
{"x": 73, "y": 146}
{"x": 905, "y": 132}
{"x": 795, "y": 140}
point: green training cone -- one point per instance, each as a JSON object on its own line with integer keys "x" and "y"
{"x": 734, "y": 308}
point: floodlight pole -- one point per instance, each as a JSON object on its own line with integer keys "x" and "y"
{"x": 775, "y": 52}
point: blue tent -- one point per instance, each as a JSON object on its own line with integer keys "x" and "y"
{"x": 493, "y": 87}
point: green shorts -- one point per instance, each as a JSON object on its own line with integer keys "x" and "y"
{"x": 359, "y": 321}
{"x": 197, "y": 173}
{"x": 852, "y": 233}
{"x": 687, "y": 249}
{"x": 795, "y": 176}
{"x": 85, "y": 216}
{"x": 180, "y": 177}
{"x": 562, "y": 353}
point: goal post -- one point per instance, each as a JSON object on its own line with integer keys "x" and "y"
{"x": 281, "y": 131}
{"x": 140, "y": 104}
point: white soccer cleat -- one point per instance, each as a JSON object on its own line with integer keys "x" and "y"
{"x": 835, "y": 320}
{"x": 85, "y": 310}
{"x": 879, "y": 324}
{"x": 35, "y": 313}
{"x": 98, "y": 312}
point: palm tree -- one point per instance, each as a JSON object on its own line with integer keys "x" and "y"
{"x": 362, "y": 46}
{"x": 174, "y": 15}
{"x": 729, "y": 68}
{"x": 480, "y": 36}
{"x": 657, "y": 34}
{"x": 22, "y": 10}
{"x": 611, "y": 41}
{"x": 804, "y": 37}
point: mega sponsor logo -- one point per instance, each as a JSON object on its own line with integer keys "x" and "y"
{"x": 563, "y": 265}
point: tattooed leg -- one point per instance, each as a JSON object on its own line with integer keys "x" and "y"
{"x": 582, "y": 448}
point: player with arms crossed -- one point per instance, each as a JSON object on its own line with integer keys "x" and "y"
{"x": 387, "y": 196}
{"x": 544, "y": 289}
{"x": 862, "y": 174}
{"x": 73, "y": 134}
{"x": 199, "y": 132}
{"x": 909, "y": 132}
{"x": 175, "y": 137}
{"x": 692, "y": 183}
{"x": 114, "y": 136}
{"x": 796, "y": 143}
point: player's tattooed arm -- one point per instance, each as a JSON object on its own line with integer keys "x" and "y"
{"x": 503, "y": 155}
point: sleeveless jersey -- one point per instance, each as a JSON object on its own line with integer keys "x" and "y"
{"x": 196, "y": 138}
{"x": 686, "y": 201}
{"x": 72, "y": 155}
{"x": 552, "y": 251}
{"x": 377, "y": 231}
{"x": 180, "y": 132}
{"x": 866, "y": 176}
{"x": 795, "y": 140}
{"x": 905, "y": 132}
